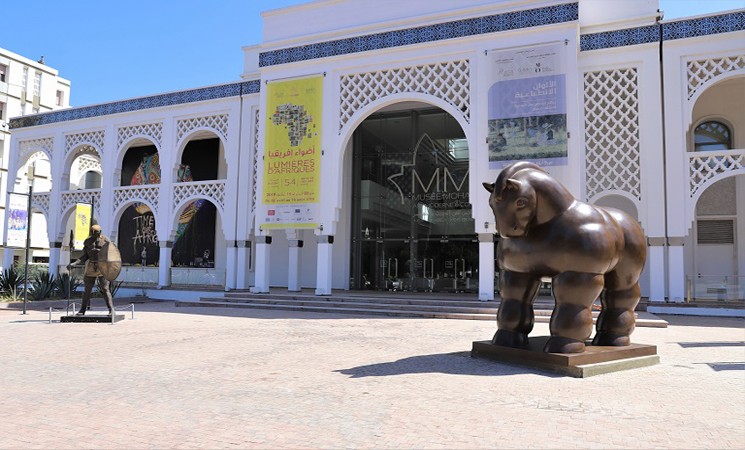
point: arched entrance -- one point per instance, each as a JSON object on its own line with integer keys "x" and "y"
{"x": 412, "y": 228}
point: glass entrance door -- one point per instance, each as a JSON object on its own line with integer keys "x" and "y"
{"x": 412, "y": 226}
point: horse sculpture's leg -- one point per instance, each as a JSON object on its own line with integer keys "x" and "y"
{"x": 515, "y": 315}
{"x": 616, "y": 321}
{"x": 571, "y": 321}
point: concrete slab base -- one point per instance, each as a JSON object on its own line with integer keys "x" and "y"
{"x": 92, "y": 318}
{"x": 595, "y": 360}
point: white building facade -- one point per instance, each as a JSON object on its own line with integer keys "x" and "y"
{"x": 652, "y": 123}
{"x": 27, "y": 87}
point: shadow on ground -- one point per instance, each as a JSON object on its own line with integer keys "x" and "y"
{"x": 455, "y": 363}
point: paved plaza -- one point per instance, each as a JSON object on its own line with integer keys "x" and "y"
{"x": 231, "y": 378}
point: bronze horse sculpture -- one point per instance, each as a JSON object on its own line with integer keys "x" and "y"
{"x": 546, "y": 232}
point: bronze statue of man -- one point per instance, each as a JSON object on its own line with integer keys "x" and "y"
{"x": 93, "y": 247}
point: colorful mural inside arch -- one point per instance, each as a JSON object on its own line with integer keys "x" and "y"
{"x": 195, "y": 232}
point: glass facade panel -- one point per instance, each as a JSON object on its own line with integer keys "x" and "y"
{"x": 412, "y": 225}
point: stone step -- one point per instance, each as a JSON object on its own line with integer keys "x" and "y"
{"x": 379, "y": 307}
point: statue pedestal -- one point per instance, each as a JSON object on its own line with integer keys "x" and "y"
{"x": 93, "y": 318}
{"x": 595, "y": 360}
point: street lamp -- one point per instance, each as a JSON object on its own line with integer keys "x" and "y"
{"x": 30, "y": 177}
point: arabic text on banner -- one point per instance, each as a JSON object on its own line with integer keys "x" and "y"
{"x": 527, "y": 106}
{"x": 292, "y": 154}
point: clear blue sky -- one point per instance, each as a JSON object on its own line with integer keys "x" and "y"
{"x": 113, "y": 50}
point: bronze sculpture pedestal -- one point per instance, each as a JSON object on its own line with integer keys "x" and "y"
{"x": 92, "y": 318}
{"x": 595, "y": 360}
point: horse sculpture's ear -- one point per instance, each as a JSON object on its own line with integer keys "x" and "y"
{"x": 488, "y": 186}
{"x": 512, "y": 185}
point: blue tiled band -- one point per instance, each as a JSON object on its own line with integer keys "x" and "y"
{"x": 467, "y": 27}
{"x": 681, "y": 29}
{"x": 136, "y": 104}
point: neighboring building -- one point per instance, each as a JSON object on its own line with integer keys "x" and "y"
{"x": 27, "y": 87}
{"x": 394, "y": 113}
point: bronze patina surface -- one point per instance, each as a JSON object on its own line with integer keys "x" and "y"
{"x": 586, "y": 250}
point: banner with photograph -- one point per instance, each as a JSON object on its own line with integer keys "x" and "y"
{"x": 17, "y": 220}
{"x": 82, "y": 224}
{"x": 527, "y": 106}
{"x": 292, "y": 154}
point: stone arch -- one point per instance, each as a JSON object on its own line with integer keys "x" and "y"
{"x": 151, "y": 238}
{"x": 136, "y": 140}
{"x": 196, "y": 134}
{"x": 620, "y": 200}
{"x": 707, "y": 83}
{"x": 82, "y": 149}
{"x": 179, "y": 254}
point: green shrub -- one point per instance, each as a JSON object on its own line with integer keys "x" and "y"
{"x": 10, "y": 281}
{"x": 42, "y": 286}
{"x": 66, "y": 284}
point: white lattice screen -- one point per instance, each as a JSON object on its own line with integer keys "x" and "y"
{"x": 448, "y": 81}
{"x": 28, "y": 148}
{"x": 255, "y": 162}
{"x": 40, "y": 201}
{"x": 129, "y": 194}
{"x": 213, "y": 190}
{"x": 703, "y": 166}
{"x": 86, "y": 163}
{"x": 699, "y": 72}
{"x": 94, "y": 138}
{"x": 218, "y": 123}
{"x": 69, "y": 199}
{"x": 154, "y": 131}
{"x": 612, "y": 132}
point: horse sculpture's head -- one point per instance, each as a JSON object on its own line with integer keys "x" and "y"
{"x": 513, "y": 200}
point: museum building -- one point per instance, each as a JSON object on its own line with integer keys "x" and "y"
{"x": 351, "y": 155}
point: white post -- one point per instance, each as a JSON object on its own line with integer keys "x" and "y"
{"x": 55, "y": 251}
{"x": 293, "y": 270}
{"x": 325, "y": 263}
{"x": 230, "y": 266}
{"x": 164, "y": 264}
{"x": 656, "y": 266}
{"x": 243, "y": 262}
{"x": 261, "y": 286}
{"x": 675, "y": 270}
{"x": 486, "y": 267}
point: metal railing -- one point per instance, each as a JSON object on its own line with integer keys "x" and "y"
{"x": 719, "y": 288}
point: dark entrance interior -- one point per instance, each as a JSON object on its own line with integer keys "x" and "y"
{"x": 411, "y": 220}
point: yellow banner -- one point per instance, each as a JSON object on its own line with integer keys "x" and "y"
{"x": 82, "y": 224}
{"x": 292, "y": 153}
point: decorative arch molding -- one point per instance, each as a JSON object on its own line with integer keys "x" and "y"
{"x": 94, "y": 139}
{"x": 612, "y": 143}
{"x": 705, "y": 85}
{"x": 67, "y": 207}
{"x": 146, "y": 193}
{"x": 449, "y": 81}
{"x": 150, "y": 131}
{"x": 119, "y": 209}
{"x": 611, "y": 192}
{"x": 216, "y": 123}
{"x": 703, "y": 72}
{"x": 87, "y": 163}
{"x": 706, "y": 168}
{"x": 33, "y": 146}
{"x": 40, "y": 202}
{"x": 179, "y": 209}
{"x": 212, "y": 190}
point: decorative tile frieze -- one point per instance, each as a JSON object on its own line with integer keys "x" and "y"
{"x": 136, "y": 104}
{"x": 430, "y": 33}
{"x": 619, "y": 38}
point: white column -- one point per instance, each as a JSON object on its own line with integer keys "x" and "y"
{"x": 656, "y": 266}
{"x": 675, "y": 270}
{"x": 486, "y": 267}
{"x": 324, "y": 264}
{"x": 231, "y": 253}
{"x": 55, "y": 249}
{"x": 261, "y": 285}
{"x": 164, "y": 264}
{"x": 243, "y": 263}
{"x": 8, "y": 254}
{"x": 293, "y": 269}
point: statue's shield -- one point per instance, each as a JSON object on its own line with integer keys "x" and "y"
{"x": 110, "y": 261}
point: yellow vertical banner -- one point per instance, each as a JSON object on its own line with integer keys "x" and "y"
{"x": 292, "y": 153}
{"x": 82, "y": 224}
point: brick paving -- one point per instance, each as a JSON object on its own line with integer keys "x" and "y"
{"x": 228, "y": 378}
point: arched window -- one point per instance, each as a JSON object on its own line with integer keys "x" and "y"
{"x": 712, "y": 136}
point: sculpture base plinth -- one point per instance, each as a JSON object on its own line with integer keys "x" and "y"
{"x": 596, "y": 360}
{"x": 93, "y": 318}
